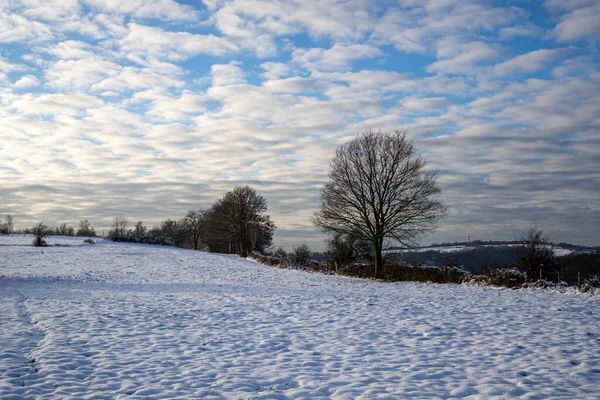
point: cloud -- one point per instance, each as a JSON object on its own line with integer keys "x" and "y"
{"x": 511, "y": 32}
{"x": 336, "y": 19}
{"x": 562, "y": 6}
{"x": 164, "y": 9}
{"x": 70, "y": 50}
{"x": 463, "y": 58}
{"x": 16, "y": 28}
{"x": 26, "y": 81}
{"x": 295, "y": 84}
{"x": 8, "y": 67}
{"x": 415, "y": 28}
{"x": 338, "y": 57}
{"x": 54, "y": 104}
{"x": 424, "y": 104}
{"x": 147, "y": 41}
{"x": 275, "y": 70}
{"x": 169, "y": 108}
{"x": 528, "y": 63}
{"x": 74, "y": 75}
{"x": 51, "y": 10}
{"x": 227, "y": 74}
{"x": 132, "y": 79}
{"x": 581, "y": 23}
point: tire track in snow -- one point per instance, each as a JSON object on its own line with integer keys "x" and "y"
{"x": 20, "y": 374}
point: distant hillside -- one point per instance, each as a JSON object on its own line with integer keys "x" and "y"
{"x": 476, "y": 254}
{"x": 479, "y": 243}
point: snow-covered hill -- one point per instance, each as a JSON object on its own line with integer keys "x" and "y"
{"x": 132, "y": 321}
{"x": 557, "y": 250}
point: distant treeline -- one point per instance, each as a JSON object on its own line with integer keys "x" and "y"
{"x": 477, "y": 243}
{"x": 85, "y": 229}
{"x": 471, "y": 259}
{"x": 479, "y": 259}
{"x": 235, "y": 223}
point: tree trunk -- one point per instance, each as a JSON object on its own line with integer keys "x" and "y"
{"x": 378, "y": 258}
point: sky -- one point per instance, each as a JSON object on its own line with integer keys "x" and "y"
{"x": 150, "y": 108}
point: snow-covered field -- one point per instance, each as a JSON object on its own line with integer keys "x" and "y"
{"x": 135, "y": 321}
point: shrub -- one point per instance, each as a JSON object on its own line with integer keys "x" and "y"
{"x": 85, "y": 229}
{"x": 424, "y": 273}
{"x": 40, "y": 231}
{"x": 273, "y": 260}
{"x": 400, "y": 272}
{"x": 302, "y": 255}
{"x": 505, "y": 277}
{"x": 535, "y": 255}
{"x": 119, "y": 231}
{"x": 593, "y": 281}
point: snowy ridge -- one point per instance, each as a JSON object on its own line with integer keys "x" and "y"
{"x": 135, "y": 321}
{"x": 558, "y": 251}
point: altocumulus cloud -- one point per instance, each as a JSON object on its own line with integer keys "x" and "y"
{"x": 155, "y": 107}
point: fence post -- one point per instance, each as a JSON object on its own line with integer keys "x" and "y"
{"x": 540, "y": 274}
{"x": 579, "y": 279}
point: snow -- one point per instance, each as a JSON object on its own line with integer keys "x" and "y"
{"x": 441, "y": 249}
{"x": 115, "y": 320}
{"x": 559, "y": 251}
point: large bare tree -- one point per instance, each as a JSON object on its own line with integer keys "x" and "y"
{"x": 379, "y": 190}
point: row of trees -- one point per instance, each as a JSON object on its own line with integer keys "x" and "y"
{"x": 235, "y": 223}
{"x": 379, "y": 192}
{"x": 40, "y": 231}
{"x": 85, "y": 228}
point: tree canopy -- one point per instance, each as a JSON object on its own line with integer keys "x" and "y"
{"x": 379, "y": 189}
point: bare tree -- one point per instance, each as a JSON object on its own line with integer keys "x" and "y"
{"x": 379, "y": 190}
{"x": 194, "y": 223}
{"x": 40, "y": 231}
{"x": 139, "y": 230}
{"x": 260, "y": 232}
{"x": 65, "y": 230}
{"x": 237, "y": 222}
{"x": 172, "y": 231}
{"x": 344, "y": 249}
{"x": 7, "y": 227}
{"x": 119, "y": 231}
{"x": 535, "y": 255}
{"x": 85, "y": 229}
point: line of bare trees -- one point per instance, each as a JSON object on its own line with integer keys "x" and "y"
{"x": 235, "y": 223}
{"x": 85, "y": 229}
